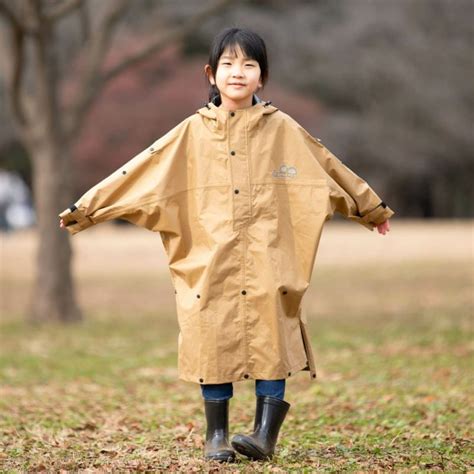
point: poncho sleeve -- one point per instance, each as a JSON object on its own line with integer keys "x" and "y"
{"x": 135, "y": 191}
{"x": 350, "y": 195}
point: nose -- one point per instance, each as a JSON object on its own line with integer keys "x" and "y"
{"x": 236, "y": 71}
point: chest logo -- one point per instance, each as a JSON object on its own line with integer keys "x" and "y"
{"x": 285, "y": 172}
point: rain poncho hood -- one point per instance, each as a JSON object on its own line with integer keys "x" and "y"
{"x": 239, "y": 199}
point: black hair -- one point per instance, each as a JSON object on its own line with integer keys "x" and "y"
{"x": 251, "y": 44}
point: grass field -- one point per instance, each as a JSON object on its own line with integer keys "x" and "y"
{"x": 391, "y": 320}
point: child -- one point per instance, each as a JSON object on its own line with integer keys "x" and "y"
{"x": 239, "y": 193}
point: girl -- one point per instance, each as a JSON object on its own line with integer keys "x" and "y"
{"x": 239, "y": 193}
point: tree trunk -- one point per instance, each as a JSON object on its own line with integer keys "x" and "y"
{"x": 53, "y": 297}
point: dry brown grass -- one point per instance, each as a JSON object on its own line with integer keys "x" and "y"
{"x": 125, "y": 268}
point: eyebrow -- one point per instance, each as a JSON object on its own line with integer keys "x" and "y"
{"x": 232, "y": 57}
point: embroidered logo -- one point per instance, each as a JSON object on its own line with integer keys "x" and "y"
{"x": 285, "y": 172}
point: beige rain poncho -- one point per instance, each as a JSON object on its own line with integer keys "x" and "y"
{"x": 239, "y": 199}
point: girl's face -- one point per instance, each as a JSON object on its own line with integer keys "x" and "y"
{"x": 237, "y": 79}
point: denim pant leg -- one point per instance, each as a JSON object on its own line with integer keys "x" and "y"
{"x": 270, "y": 388}
{"x": 220, "y": 391}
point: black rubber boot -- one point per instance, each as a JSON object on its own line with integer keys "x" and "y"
{"x": 269, "y": 416}
{"x": 217, "y": 433}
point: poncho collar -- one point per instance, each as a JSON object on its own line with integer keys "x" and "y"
{"x": 253, "y": 113}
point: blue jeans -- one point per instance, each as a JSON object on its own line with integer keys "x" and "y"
{"x": 224, "y": 391}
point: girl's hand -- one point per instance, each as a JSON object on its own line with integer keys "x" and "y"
{"x": 384, "y": 227}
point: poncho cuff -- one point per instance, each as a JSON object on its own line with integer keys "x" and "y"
{"x": 377, "y": 215}
{"x": 75, "y": 219}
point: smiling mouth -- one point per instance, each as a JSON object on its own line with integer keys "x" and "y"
{"x": 237, "y": 84}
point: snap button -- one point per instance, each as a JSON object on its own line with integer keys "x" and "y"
{"x": 232, "y": 152}
{"x": 289, "y": 373}
{"x": 236, "y": 191}
{"x": 232, "y": 114}
{"x": 175, "y": 292}
{"x": 198, "y": 296}
{"x": 285, "y": 292}
{"x": 314, "y": 376}
{"x": 124, "y": 172}
{"x": 201, "y": 380}
{"x": 244, "y": 292}
{"x": 246, "y": 376}
{"x": 152, "y": 149}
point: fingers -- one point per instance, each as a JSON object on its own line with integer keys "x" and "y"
{"x": 384, "y": 227}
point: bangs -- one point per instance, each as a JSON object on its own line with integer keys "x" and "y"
{"x": 232, "y": 48}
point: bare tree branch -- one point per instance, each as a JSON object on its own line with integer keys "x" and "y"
{"x": 17, "y": 74}
{"x": 10, "y": 16}
{"x": 92, "y": 81}
{"x": 64, "y": 8}
{"x": 13, "y": 65}
{"x": 160, "y": 41}
{"x": 24, "y": 24}
{"x": 85, "y": 22}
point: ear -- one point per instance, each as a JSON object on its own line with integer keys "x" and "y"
{"x": 210, "y": 76}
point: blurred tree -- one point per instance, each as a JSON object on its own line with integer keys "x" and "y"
{"x": 395, "y": 78}
{"x": 38, "y": 56}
